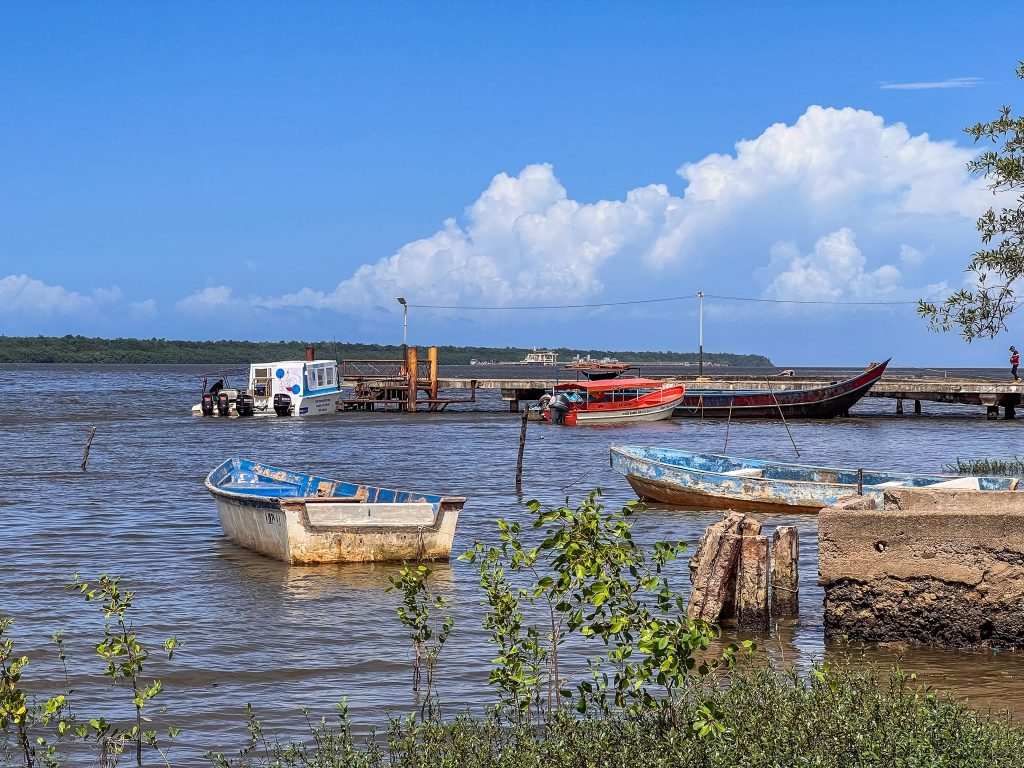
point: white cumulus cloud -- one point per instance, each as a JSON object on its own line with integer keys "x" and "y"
{"x": 812, "y": 184}
{"x": 24, "y": 295}
{"x": 207, "y": 300}
{"x": 835, "y": 270}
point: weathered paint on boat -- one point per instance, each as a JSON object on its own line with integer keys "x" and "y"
{"x": 714, "y": 481}
{"x": 810, "y": 403}
{"x": 301, "y": 518}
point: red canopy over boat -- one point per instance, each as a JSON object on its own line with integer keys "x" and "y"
{"x": 608, "y": 385}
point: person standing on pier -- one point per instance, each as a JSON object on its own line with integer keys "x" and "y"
{"x": 1014, "y": 361}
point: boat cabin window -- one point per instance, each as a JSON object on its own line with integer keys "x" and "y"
{"x": 321, "y": 378}
{"x": 261, "y": 373}
{"x": 330, "y": 376}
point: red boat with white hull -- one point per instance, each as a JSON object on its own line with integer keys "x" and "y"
{"x": 618, "y": 401}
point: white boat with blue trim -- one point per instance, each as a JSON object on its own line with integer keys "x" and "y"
{"x": 714, "y": 481}
{"x": 286, "y": 388}
{"x": 303, "y": 518}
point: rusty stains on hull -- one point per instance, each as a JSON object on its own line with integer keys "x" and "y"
{"x": 653, "y": 490}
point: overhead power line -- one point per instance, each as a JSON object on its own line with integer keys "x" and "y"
{"x": 688, "y": 297}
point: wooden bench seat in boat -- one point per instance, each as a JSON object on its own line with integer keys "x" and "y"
{"x": 745, "y": 472}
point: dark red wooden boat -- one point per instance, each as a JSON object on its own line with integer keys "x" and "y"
{"x": 599, "y": 371}
{"x": 823, "y": 402}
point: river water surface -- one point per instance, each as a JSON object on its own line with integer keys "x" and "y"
{"x": 281, "y": 637}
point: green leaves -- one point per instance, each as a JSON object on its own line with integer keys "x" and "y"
{"x": 124, "y": 658}
{"x": 588, "y": 577}
{"x": 982, "y": 311}
{"x": 427, "y": 630}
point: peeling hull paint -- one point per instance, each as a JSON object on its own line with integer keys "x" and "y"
{"x": 652, "y": 490}
{"x": 296, "y": 517}
{"x": 713, "y": 481}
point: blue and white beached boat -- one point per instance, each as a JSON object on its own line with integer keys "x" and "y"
{"x": 302, "y": 518}
{"x": 714, "y": 481}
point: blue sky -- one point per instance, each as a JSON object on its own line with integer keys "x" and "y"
{"x": 266, "y": 171}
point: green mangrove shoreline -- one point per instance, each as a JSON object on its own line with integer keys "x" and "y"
{"x": 83, "y": 349}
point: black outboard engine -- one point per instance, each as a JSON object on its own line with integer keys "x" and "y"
{"x": 223, "y": 404}
{"x": 282, "y": 404}
{"x": 207, "y": 404}
{"x": 244, "y": 404}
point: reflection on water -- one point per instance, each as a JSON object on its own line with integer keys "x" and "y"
{"x": 260, "y": 631}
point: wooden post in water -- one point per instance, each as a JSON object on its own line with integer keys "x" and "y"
{"x": 88, "y": 447}
{"x": 432, "y": 357}
{"x": 860, "y": 482}
{"x": 522, "y": 448}
{"x": 752, "y": 583}
{"x": 713, "y": 568}
{"x": 785, "y": 574}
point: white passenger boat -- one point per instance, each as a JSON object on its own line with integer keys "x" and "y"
{"x": 287, "y": 388}
{"x": 301, "y": 518}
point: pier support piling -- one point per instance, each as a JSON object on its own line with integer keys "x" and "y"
{"x": 1009, "y": 412}
{"x": 785, "y": 575}
{"x": 992, "y": 412}
{"x": 899, "y": 406}
{"x": 752, "y": 583}
{"x": 917, "y": 407}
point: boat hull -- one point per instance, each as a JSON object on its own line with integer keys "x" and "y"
{"x": 301, "y": 519}
{"x": 292, "y": 532}
{"x": 812, "y": 403}
{"x": 652, "y": 413}
{"x": 309, "y": 405}
{"x": 667, "y": 493}
{"x": 711, "y": 481}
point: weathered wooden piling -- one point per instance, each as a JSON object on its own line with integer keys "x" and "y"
{"x": 522, "y": 448}
{"x": 785, "y": 575}
{"x": 412, "y": 368}
{"x": 752, "y": 583}
{"x": 88, "y": 447}
{"x": 713, "y": 568}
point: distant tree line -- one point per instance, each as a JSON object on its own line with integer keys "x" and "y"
{"x": 83, "y": 349}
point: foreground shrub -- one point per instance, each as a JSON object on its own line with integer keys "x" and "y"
{"x": 841, "y": 716}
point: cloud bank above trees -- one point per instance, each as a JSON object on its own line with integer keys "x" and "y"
{"x": 788, "y": 207}
{"x": 836, "y": 206}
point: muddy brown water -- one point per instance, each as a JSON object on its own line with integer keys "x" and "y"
{"x": 281, "y": 637}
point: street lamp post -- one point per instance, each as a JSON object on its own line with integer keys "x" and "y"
{"x": 405, "y": 324}
{"x": 700, "y": 338}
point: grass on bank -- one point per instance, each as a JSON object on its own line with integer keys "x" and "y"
{"x": 841, "y": 716}
{"x": 1007, "y": 467}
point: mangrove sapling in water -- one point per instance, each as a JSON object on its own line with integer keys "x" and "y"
{"x": 37, "y": 727}
{"x": 594, "y": 581}
{"x": 419, "y": 614}
{"x": 125, "y": 657}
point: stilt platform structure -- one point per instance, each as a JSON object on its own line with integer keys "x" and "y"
{"x": 406, "y": 385}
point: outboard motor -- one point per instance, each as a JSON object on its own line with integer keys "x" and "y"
{"x": 244, "y": 404}
{"x": 282, "y": 404}
{"x": 223, "y": 404}
{"x": 207, "y": 404}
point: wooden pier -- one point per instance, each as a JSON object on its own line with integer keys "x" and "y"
{"x": 991, "y": 394}
{"x": 412, "y": 384}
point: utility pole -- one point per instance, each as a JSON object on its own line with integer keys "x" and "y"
{"x": 700, "y": 339}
